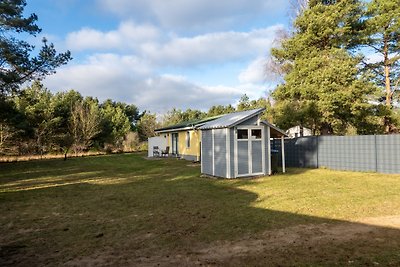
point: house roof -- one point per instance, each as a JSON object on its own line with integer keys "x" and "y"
{"x": 186, "y": 125}
{"x": 231, "y": 119}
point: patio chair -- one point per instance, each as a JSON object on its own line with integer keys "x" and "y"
{"x": 156, "y": 151}
{"x": 165, "y": 151}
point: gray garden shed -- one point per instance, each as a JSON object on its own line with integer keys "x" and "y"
{"x": 239, "y": 145}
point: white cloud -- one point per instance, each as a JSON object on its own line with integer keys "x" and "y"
{"x": 161, "y": 93}
{"x": 213, "y": 48}
{"x": 170, "y": 50}
{"x": 130, "y": 61}
{"x": 374, "y": 58}
{"x": 194, "y": 14}
{"x": 255, "y": 71}
{"x": 128, "y": 36}
{"x": 129, "y": 79}
{"x": 102, "y": 75}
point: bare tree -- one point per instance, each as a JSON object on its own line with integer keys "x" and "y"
{"x": 6, "y": 133}
{"x": 275, "y": 70}
{"x": 296, "y": 7}
{"x": 84, "y": 124}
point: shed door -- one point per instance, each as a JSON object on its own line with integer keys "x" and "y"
{"x": 249, "y": 151}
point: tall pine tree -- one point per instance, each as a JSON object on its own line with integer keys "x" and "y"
{"x": 18, "y": 63}
{"x": 382, "y": 35}
{"x": 322, "y": 88}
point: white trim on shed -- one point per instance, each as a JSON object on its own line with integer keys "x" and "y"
{"x": 251, "y": 154}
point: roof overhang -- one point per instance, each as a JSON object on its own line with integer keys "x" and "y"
{"x": 275, "y": 131}
{"x": 175, "y": 130}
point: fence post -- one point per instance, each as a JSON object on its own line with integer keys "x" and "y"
{"x": 376, "y": 154}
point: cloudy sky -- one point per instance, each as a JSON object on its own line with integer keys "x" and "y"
{"x": 160, "y": 54}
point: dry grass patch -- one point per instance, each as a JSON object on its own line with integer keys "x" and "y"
{"x": 125, "y": 210}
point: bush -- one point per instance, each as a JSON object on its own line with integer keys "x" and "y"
{"x": 143, "y": 146}
{"x": 131, "y": 142}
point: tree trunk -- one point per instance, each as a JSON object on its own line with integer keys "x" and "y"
{"x": 388, "y": 89}
{"x": 326, "y": 129}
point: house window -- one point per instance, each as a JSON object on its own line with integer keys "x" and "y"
{"x": 242, "y": 134}
{"x": 187, "y": 139}
{"x": 256, "y": 134}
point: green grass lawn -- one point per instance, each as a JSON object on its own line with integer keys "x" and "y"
{"x": 126, "y": 210}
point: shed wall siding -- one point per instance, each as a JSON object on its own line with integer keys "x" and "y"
{"x": 220, "y": 152}
{"x": 266, "y": 144}
{"x": 257, "y": 156}
{"x": 251, "y": 121}
{"x": 243, "y": 157}
{"x": 206, "y": 151}
{"x": 232, "y": 159}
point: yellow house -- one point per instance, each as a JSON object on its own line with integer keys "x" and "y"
{"x": 184, "y": 139}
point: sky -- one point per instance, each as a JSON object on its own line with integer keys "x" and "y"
{"x": 160, "y": 54}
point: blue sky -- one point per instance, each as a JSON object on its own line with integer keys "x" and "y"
{"x": 161, "y": 54}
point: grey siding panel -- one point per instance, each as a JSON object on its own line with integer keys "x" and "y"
{"x": 388, "y": 153}
{"x": 266, "y": 143}
{"x": 380, "y": 153}
{"x": 232, "y": 133}
{"x": 220, "y": 152}
{"x": 354, "y": 153}
{"x": 251, "y": 121}
{"x": 299, "y": 152}
{"x": 243, "y": 157}
{"x": 256, "y": 156}
{"x": 206, "y": 151}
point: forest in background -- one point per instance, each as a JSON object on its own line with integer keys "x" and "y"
{"x": 38, "y": 122}
{"x": 326, "y": 82}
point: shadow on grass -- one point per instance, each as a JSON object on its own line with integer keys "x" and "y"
{"x": 123, "y": 210}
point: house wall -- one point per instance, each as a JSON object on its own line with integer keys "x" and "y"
{"x": 159, "y": 141}
{"x": 189, "y": 153}
{"x": 296, "y": 132}
{"x": 194, "y": 149}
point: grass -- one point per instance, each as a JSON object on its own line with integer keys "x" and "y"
{"x": 126, "y": 210}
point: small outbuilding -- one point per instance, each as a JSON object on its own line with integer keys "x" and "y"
{"x": 239, "y": 145}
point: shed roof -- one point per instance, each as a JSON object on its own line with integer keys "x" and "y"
{"x": 186, "y": 124}
{"x": 275, "y": 131}
{"x": 231, "y": 119}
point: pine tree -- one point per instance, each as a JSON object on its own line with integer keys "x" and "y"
{"x": 322, "y": 88}
{"x": 382, "y": 34}
{"x": 17, "y": 65}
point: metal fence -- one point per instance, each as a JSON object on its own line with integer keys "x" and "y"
{"x": 376, "y": 153}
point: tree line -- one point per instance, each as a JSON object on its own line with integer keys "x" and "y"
{"x": 175, "y": 116}
{"x": 36, "y": 121}
{"x": 330, "y": 82}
